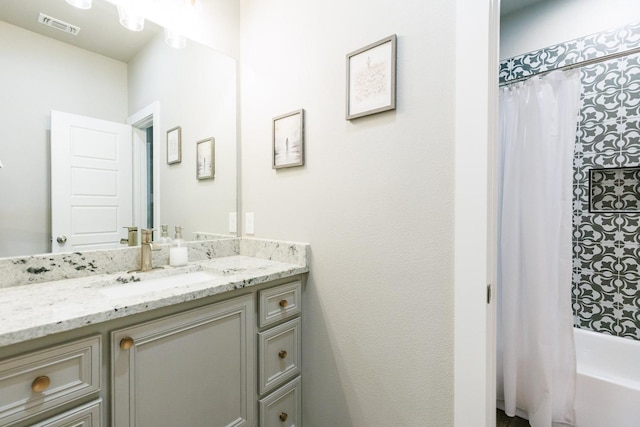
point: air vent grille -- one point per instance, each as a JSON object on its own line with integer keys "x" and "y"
{"x": 58, "y": 24}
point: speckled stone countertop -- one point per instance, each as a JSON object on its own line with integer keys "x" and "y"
{"x": 35, "y": 310}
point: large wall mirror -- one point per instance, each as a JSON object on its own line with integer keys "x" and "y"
{"x": 108, "y": 73}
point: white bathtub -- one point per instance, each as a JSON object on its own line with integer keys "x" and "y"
{"x": 608, "y": 383}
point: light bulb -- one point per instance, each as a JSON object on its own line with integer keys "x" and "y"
{"x": 80, "y": 4}
{"x": 130, "y": 19}
{"x": 174, "y": 39}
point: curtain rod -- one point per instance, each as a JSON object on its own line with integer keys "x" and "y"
{"x": 576, "y": 65}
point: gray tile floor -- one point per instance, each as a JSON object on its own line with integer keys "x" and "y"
{"x": 502, "y": 420}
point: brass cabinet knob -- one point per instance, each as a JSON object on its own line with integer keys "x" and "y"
{"x": 282, "y": 354}
{"x": 126, "y": 343}
{"x": 40, "y": 384}
{"x": 283, "y": 416}
{"x": 284, "y": 303}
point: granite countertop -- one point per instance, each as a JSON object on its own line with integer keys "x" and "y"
{"x": 40, "y": 309}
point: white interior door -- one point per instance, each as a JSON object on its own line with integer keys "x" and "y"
{"x": 91, "y": 182}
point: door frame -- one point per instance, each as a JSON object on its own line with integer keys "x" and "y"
{"x": 142, "y": 119}
{"x": 476, "y": 119}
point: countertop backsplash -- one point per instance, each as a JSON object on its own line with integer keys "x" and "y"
{"x": 24, "y": 270}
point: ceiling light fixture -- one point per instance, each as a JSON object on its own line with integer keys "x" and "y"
{"x": 80, "y": 4}
{"x": 130, "y": 19}
{"x": 174, "y": 39}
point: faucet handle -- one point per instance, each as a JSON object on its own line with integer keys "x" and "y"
{"x": 132, "y": 236}
{"x": 147, "y": 235}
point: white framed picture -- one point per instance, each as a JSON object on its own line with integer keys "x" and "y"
{"x": 288, "y": 140}
{"x": 174, "y": 145}
{"x": 205, "y": 159}
{"x": 371, "y": 79}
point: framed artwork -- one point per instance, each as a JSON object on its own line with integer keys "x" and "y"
{"x": 205, "y": 159}
{"x": 371, "y": 79}
{"x": 174, "y": 145}
{"x": 288, "y": 140}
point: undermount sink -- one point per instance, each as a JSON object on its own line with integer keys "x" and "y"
{"x": 156, "y": 284}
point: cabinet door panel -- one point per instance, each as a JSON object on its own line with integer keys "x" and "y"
{"x": 279, "y": 355}
{"x": 283, "y": 407}
{"x": 280, "y": 303}
{"x": 83, "y": 416}
{"x": 71, "y": 371}
{"x": 194, "y": 368}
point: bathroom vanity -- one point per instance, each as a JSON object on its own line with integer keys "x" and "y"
{"x": 216, "y": 342}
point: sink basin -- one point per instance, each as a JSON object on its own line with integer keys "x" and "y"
{"x": 157, "y": 284}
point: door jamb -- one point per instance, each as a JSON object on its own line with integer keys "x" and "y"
{"x": 142, "y": 119}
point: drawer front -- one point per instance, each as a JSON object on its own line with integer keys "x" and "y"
{"x": 39, "y": 381}
{"x": 88, "y": 415}
{"x": 280, "y": 303}
{"x": 283, "y": 407}
{"x": 279, "y": 355}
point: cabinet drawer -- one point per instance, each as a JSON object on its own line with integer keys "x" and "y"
{"x": 280, "y": 302}
{"x": 39, "y": 381}
{"x": 279, "y": 355}
{"x": 283, "y": 407}
{"x": 88, "y": 415}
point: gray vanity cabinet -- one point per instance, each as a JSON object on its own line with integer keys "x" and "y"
{"x": 280, "y": 356}
{"x": 195, "y": 368}
{"x": 231, "y": 360}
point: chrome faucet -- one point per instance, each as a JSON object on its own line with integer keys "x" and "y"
{"x": 146, "y": 247}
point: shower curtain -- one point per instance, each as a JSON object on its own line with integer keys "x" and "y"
{"x": 536, "y": 353}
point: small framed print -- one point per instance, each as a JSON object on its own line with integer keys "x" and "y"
{"x": 288, "y": 140}
{"x": 174, "y": 145}
{"x": 371, "y": 79}
{"x": 205, "y": 159}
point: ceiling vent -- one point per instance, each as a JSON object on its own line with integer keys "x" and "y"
{"x": 58, "y": 24}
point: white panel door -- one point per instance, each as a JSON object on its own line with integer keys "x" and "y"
{"x": 91, "y": 182}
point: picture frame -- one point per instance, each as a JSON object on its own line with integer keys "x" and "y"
{"x": 174, "y": 145}
{"x": 205, "y": 159}
{"x": 288, "y": 140}
{"x": 371, "y": 78}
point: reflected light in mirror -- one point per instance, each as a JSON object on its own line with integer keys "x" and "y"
{"x": 80, "y": 4}
{"x": 130, "y": 19}
{"x": 174, "y": 39}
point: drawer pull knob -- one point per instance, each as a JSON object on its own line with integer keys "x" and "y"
{"x": 40, "y": 384}
{"x": 282, "y": 354}
{"x": 284, "y": 416}
{"x": 126, "y": 343}
{"x": 284, "y": 303}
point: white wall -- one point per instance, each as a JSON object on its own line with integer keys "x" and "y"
{"x": 196, "y": 88}
{"x": 37, "y": 75}
{"x": 374, "y": 200}
{"x": 555, "y": 21}
{"x": 218, "y": 26}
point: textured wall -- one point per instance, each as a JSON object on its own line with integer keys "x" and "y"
{"x": 374, "y": 200}
{"x": 606, "y": 246}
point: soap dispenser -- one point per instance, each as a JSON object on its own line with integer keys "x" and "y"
{"x": 178, "y": 254}
{"x": 164, "y": 238}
